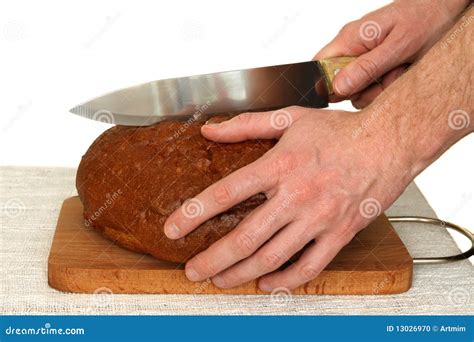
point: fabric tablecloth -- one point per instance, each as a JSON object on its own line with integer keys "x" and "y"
{"x": 31, "y": 197}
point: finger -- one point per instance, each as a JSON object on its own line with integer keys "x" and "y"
{"x": 367, "y": 68}
{"x": 367, "y": 96}
{"x": 220, "y": 196}
{"x": 332, "y": 98}
{"x": 247, "y": 126}
{"x": 370, "y": 93}
{"x": 393, "y": 75}
{"x": 346, "y": 43}
{"x": 240, "y": 243}
{"x": 309, "y": 265}
{"x": 268, "y": 258}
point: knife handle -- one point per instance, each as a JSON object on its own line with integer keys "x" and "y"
{"x": 330, "y": 67}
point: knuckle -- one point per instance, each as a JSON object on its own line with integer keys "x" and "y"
{"x": 347, "y": 28}
{"x": 224, "y": 193}
{"x": 245, "y": 243}
{"x": 271, "y": 261}
{"x": 294, "y": 108}
{"x": 309, "y": 271}
{"x": 285, "y": 163}
{"x": 308, "y": 232}
{"x": 327, "y": 208}
{"x": 368, "y": 68}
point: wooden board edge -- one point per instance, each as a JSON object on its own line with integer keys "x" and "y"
{"x": 70, "y": 279}
{"x": 131, "y": 281}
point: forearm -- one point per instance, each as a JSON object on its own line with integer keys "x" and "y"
{"x": 430, "y": 107}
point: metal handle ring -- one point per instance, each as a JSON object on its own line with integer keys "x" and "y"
{"x": 434, "y": 221}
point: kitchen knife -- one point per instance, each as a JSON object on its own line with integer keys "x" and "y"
{"x": 305, "y": 84}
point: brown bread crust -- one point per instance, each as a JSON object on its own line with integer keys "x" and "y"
{"x": 132, "y": 178}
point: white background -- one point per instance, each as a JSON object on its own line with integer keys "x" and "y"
{"x": 56, "y": 54}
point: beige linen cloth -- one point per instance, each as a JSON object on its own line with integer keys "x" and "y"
{"x": 30, "y": 199}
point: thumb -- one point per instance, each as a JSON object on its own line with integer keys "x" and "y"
{"x": 249, "y": 126}
{"x": 367, "y": 69}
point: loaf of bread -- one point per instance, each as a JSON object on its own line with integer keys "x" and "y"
{"x": 132, "y": 178}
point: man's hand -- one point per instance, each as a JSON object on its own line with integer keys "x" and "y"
{"x": 331, "y": 172}
{"x": 322, "y": 186}
{"x": 386, "y": 41}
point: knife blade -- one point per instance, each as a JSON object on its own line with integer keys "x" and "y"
{"x": 305, "y": 84}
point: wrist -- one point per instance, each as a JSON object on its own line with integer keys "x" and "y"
{"x": 383, "y": 128}
{"x": 453, "y": 7}
{"x": 450, "y": 8}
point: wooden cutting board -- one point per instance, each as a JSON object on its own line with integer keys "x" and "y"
{"x": 81, "y": 260}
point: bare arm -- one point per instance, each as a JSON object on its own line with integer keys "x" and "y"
{"x": 431, "y": 106}
{"x": 386, "y": 41}
{"x": 326, "y": 166}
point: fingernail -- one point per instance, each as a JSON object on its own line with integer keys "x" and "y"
{"x": 191, "y": 274}
{"x": 172, "y": 231}
{"x": 219, "y": 281}
{"x": 343, "y": 86}
{"x": 211, "y": 123}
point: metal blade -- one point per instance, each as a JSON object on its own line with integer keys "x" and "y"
{"x": 255, "y": 89}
